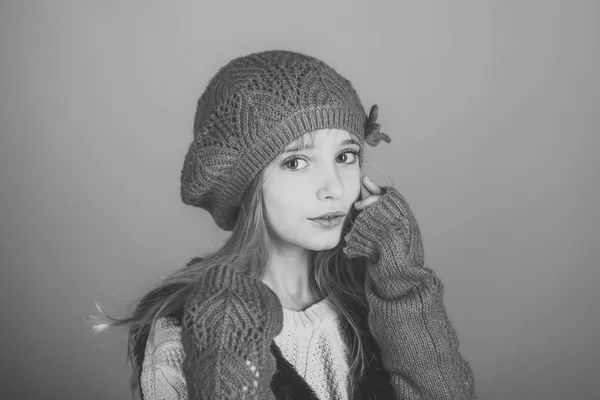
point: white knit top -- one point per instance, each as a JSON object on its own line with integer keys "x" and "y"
{"x": 310, "y": 340}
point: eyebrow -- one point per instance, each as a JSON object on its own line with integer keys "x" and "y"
{"x": 312, "y": 146}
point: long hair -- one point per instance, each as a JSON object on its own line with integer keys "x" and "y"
{"x": 332, "y": 274}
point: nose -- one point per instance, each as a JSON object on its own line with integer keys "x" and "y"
{"x": 332, "y": 185}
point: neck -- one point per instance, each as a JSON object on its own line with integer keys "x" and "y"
{"x": 288, "y": 276}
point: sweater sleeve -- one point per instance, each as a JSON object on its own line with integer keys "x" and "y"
{"x": 162, "y": 377}
{"x": 229, "y": 322}
{"x": 407, "y": 317}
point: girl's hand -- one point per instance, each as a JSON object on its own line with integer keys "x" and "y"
{"x": 390, "y": 223}
{"x": 374, "y": 194}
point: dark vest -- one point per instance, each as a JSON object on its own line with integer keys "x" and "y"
{"x": 287, "y": 384}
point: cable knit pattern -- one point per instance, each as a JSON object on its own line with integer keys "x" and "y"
{"x": 312, "y": 342}
{"x": 252, "y": 108}
{"x": 407, "y": 316}
{"x": 407, "y": 319}
{"x": 162, "y": 376}
{"x": 229, "y": 322}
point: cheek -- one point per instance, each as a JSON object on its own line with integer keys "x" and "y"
{"x": 283, "y": 203}
{"x": 283, "y": 195}
{"x": 353, "y": 186}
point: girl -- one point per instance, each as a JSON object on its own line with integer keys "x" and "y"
{"x": 314, "y": 295}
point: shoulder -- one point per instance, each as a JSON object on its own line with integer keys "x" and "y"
{"x": 162, "y": 375}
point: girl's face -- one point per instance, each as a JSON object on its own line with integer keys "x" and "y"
{"x": 303, "y": 184}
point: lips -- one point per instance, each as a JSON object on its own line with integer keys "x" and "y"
{"x": 330, "y": 215}
{"x": 328, "y": 223}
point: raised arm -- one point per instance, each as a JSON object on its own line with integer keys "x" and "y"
{"x": 407, "y": 316}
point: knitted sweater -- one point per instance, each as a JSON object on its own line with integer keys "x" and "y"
{"x": 407, "y": 317}
{"x": 231, "y": 320}
{"x": 311, "y": 341}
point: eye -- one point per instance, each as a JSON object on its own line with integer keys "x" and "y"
{"x": 354, "y": 155}
{"x": 291, "y": 160}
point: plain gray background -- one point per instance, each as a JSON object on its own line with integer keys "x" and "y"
{"x": 492, "y": 106}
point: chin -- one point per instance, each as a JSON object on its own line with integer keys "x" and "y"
{"x": 323, "y": 248}
{"x": 320, "y": 243}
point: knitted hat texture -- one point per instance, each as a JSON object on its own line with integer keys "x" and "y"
{"x": 251, "y": 109}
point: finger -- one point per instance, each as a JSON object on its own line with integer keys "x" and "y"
{"x": 360, "y": 205}
{"x": 371, "y": 186}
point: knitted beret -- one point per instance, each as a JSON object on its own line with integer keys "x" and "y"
{"x": 251, "y": 109}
